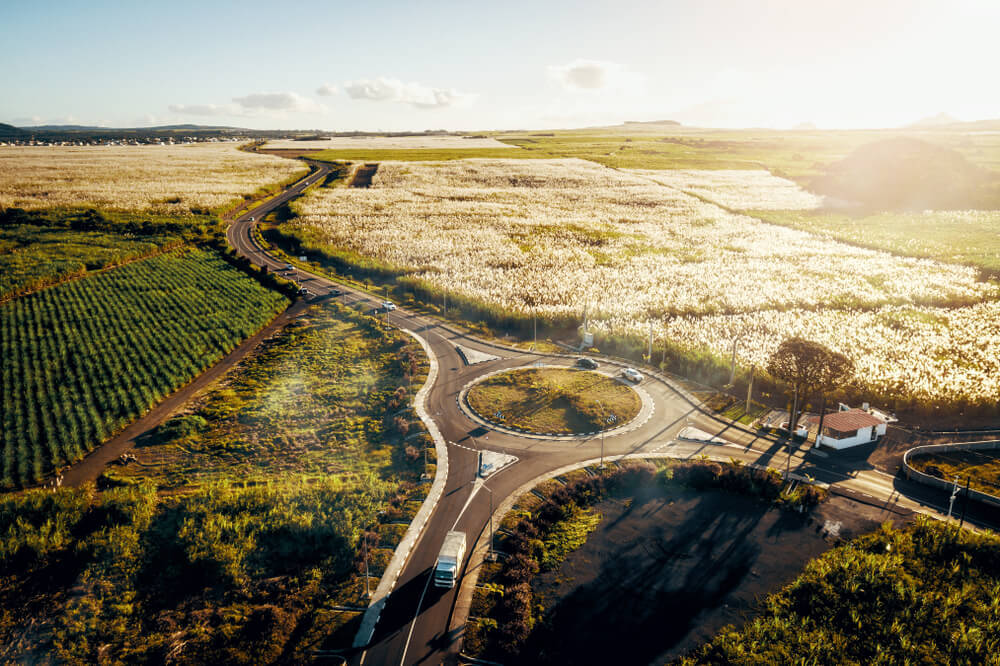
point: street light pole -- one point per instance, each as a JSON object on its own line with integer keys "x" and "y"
{"x": 365, "y": 536}
{"x": 602, "y": 432}
{"x": 534, "y": 326}
{"x": 492, "y": 555}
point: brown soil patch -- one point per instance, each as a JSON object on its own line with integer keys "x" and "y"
{"x": 364, "y": 174}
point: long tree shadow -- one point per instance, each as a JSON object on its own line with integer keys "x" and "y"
{"x": 650, "y": 592}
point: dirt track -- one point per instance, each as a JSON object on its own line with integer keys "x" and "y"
{"x": 91, "y": 467}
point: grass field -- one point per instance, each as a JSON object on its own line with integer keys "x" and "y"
{"x": 181, "y": 180}
{"x": 969, "y": 237}
{"x": 925, "y": 594}
{"x": 552, "y": 400}
{"x": 238, "y": 535}
{"x": 980, "y": 468}
{"x": 32, "y": 257}
{"x": 800, "y": 154}
{"x": 506, "y": 238}
{"x": 83, "y": 359}
{"x": 224, "y": 574}
{"x": 318, "y": 399}
{"x": 387, "y": 142}
{"x": 417, "y": 154}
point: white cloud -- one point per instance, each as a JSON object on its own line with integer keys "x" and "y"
{"x": 282, "y": 101}
{"x": 199, "y": 109}
{"x": 326, "y": 90}
{"x": 594, "y": 75}
{"x": 385, "y": 89}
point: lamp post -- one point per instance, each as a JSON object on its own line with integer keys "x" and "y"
{"x": 602, "y": 433}
{"x": 492, "y": 555}
{"x": 365, "y": 537}
{"x": 534, "y": 327}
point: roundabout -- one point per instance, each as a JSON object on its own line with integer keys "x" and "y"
{"x": 554, "y": 402}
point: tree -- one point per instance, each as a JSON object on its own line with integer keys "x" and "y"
{"x": 807, "y": 367}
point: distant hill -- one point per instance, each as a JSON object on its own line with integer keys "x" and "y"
{"x": 9, "y": 131}
{"x": 904, "y": 173}
{"x": 672, "y": 123}
{"x": 63, "y": 128}
{"x": 938, "y": 120}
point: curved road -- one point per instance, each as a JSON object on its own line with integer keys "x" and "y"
{"x": 413, "y": 627}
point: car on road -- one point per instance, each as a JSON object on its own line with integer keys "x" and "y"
{"x": 336, "y": 292}
{"x": 304, "y": 292}
{"x": 632, "y": 375}
{"x": 289, "y": 267}
{"x": 250, "y": 219}
{"x": 388, "y": 306}
{"x": 588, "y": 363}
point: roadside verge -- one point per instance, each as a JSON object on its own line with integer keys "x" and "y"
{"x": 413, "y": 532}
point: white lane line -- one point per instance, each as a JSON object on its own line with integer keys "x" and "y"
{"x": 475, "y": 489}
{"x": 413, "y": 622}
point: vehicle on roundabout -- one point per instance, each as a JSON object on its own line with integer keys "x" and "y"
{"x": 632, "y": 375}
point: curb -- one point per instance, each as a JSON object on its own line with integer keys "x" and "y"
{"x": 913, "y": 474}
{"x": 413, "y": 532}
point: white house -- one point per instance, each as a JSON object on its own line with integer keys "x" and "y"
{"x": 847, "y": 428}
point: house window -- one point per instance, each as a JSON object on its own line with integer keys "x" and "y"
{"x": 830, "y": 433}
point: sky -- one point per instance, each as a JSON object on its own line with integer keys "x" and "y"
{"x": 400, "y": 66}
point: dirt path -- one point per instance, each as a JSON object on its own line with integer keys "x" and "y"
{"x": 91, "y": 467}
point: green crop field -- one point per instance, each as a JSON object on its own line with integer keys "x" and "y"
{"x": 249, "y": 509}
{"x": 799, "y": 155}
{"x": 83, "y": 359}
{"x": 969, "y": 237}
{"x": 32, "y": 256}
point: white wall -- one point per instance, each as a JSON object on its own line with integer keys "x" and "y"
{"x": 863, "y": 437}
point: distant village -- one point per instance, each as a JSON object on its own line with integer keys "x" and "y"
{"x": 131, "y": 141}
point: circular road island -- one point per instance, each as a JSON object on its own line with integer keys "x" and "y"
{"x": 554, "y": 401}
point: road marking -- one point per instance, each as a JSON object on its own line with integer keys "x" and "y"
{"x": 413, "y": 623}
{"x": 475, "y": 488}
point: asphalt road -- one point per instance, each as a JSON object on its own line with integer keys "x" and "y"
{"x": 413, "y": 627}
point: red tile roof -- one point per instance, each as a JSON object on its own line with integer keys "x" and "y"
{"x": 849, "y": 421}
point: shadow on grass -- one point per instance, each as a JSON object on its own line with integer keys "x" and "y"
{"x": 650, "y": 591}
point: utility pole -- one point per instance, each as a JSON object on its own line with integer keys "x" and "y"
{"x": 534, "y": 327}
{"x": 365, "y": 536}
{"x": 492, "y": 555}
{"x": 954, "y": 494}
{"x": 650, "y": 357}
{"x": 446, "y": 303}
{"x": 732, "y": 369}
{"x": 602, "y": 433}
{"x": 750, "y": 389}
{"x": 822, "y": 415}
{"x": 965, "y": 504}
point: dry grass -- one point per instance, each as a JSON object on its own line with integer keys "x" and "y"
{"x": 178, "y": 179}
{"x": 387, "y": 143}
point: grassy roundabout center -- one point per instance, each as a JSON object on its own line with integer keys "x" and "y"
{"x": 554, "y": 401}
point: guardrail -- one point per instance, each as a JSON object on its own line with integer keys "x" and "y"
{"x": 914, "y": 474}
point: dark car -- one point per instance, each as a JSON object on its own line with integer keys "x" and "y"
{"x": 588, "y": 363}
{"x": 335, "y": 292}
